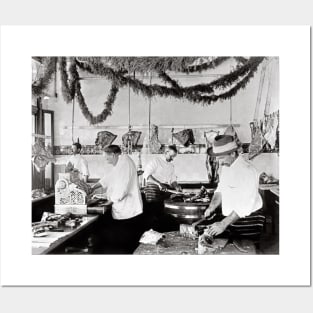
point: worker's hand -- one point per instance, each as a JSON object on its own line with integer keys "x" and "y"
{"x": 207, "y": 212}
{"x": 216, "y": 229}
{"x": 109, "y": 202}
{"x": 93, "y": 188}
{"x": 178, "y": 188}
{"x": 162, "y": 187}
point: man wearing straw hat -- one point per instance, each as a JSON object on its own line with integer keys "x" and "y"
{"x": 237, "y": 192}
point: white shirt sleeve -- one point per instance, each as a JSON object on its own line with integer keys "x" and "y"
{"x": 84, "y": 167}
{"x": 173, "y": 177}
{"x": 219, "y": 188}
{"x": 61, "y": 161}
{"x": 103, "y": 182}
{"x": 244, "y": 202}
{"x": 150, "y": 169}
{"x": 121, "y": 181}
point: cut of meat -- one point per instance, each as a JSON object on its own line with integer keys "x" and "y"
{"x": 210, "y": 136}
{"x": 185, "y": 137}
{"x": 212, "y": 167}
{"x": 131, "y": 137}
{"x": 154, "y": 142}
{"x": 41, "y": 155}
{"x": 104, "y": 139}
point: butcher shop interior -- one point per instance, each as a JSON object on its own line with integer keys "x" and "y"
{"x": 155, "y": 155}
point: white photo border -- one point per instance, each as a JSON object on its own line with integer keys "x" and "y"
{"x": 291, "y": 267}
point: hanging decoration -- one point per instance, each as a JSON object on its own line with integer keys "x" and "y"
{"x": 118, "y": 69}
{"x": 210, "y": 64}
{"x": 68, "y": 89}
{"x": 146, "y": 64}
{"x": 42, "y": 83}
{"x": 81, "y": 100}
{"x": 201, "y": 93}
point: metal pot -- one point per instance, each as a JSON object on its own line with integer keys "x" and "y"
{"x": 185, "y": 212}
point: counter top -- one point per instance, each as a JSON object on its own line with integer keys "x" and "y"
{"x": 43, "y": 198}
{"x": 44, "y": 245}
{"x": 175, "y": 244}
{"x": 274, "y": 188}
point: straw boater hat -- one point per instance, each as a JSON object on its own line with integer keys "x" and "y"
{"x": 222, "y": 145}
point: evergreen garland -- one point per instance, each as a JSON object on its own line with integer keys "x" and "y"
{"x": 200, "y": 93}
{"x": 81, "y": 100}
{"x": 40, "y": 85}
{"x": 146, "y": 64}
{"x": 67, "y": 91}
{"x": 192, "y": 93}
{"x": 167, "y": 79}
{"x": 205, "y": 66}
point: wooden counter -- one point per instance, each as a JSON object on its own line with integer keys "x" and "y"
{"x": 43, "y": 204}
{"x": 176, "y": 244}
{"x": 270, "y": 196}
{"x": 44, "y": 245}
{"x": 274, "y": 188}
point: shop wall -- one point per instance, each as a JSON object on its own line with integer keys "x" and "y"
{"x": 168, "y": 112}
{"x": 188, "y": 167}
{"x": 164, "y": 111}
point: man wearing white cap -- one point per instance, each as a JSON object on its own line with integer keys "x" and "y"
{"x": 237, "y": 190}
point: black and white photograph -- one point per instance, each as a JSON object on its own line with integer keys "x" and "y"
{"x": 155, "y": 155}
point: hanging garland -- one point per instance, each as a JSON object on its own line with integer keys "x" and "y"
{"x": 146, "y": 64}
{"x": 207, "y": 65}
{"x": 67, "y": 89}
{"x": 229, "y": 79}
{"x": 81, "y": 100}
{"x": 40, "y": 85}
{"x": 224, "y": 96}
{"x": 200, "y": 93}
{"x": 192, "y": 93}
{"x": 167, "y": 79}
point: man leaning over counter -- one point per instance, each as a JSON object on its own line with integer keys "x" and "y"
{"x": 159, "y": 175}
{"x": 237, "y": 191}
{"x": 121, "y": 234}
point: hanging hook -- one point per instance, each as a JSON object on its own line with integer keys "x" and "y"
{"x": 231, "y": 104}
{"x": 73, "y": 120}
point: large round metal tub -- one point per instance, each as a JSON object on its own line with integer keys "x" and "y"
{"x": 185, "y": 212}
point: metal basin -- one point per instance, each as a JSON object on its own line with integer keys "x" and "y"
{"x": 185, "y": 212}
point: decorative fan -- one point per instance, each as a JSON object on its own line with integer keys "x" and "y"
{"x": 104, "y": 139}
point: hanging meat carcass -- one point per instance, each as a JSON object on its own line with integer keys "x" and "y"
{"x": 185, "y": 137}
{"x": 41, "y": 155}
{"x": 154, "y": 143}
{"x": 104, "y": 139}
{"x": 211, "y": 162}
{"x": 131, "y": 138}
{"x": 212, "y": 167}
